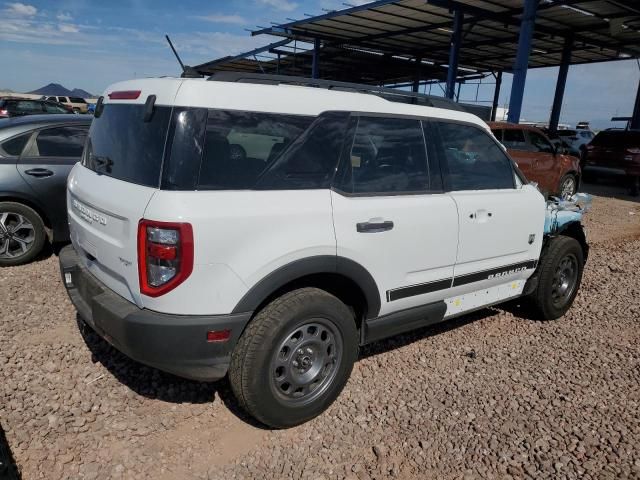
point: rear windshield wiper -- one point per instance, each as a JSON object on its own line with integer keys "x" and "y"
{"x": 102, "y": 162}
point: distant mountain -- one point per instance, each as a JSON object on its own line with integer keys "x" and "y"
{"x": 58, "y": 90}
{"x": 78, "y": 92}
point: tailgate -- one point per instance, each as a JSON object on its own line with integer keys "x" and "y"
{"x": 103, "y": 221}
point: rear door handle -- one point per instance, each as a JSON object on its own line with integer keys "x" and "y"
{"x": 374, "y": 227}
{"x": 39, "y": 172}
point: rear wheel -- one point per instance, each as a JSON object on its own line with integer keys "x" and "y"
{"x": 22, "y": 234}
{"x": 568, "y": 186}
{"x": 294, "y": 358}
{"x": 560, "y": 275}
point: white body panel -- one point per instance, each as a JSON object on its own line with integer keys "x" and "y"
{"x": 240, "y": 237}
{"x": 420, "y": 248}
{"x": 468, "y": 302}
{"x": 272, "y": 98}
{"x": 103, "y": 222}
{"x": 494, "y": 232}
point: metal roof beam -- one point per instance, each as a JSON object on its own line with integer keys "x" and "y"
{"x": 221, "y": 61}
{"x": 326, "y": 16}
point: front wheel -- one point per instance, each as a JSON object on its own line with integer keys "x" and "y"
{"x": 568, "y": 186}
{"x": 294, "y": 358}
{"x": 560, "y": 275}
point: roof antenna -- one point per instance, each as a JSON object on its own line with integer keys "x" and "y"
{"x": 187, "y": 71}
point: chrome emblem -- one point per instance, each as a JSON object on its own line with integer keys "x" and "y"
{"x": 87, "y": 214}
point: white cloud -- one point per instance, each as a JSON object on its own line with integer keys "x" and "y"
{"x": 283, "y": 5}
{"x": 64, "y": 17}
{"x": 68, "y": 28}
{"x": 220, "y": 18}
{"x": 21, "y": 9}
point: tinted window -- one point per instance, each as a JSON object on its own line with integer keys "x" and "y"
{"x": 387, "y": 156}
{"x": 566, "y": 133}
{"x": 59, "y": 142}
{"x": 15, "y": 145}
{"x": 25, "y": 106}
{"x": 53, "y": 108}
{"x": 473, "y": 159}
{"x": 514, "y": 139}
{"x": 311, "y": 160}
{"x": 239, "y": 146}
{"x": 539, "y": 143}
{"x": 613, "y": 138}
{"x": 125, "y": 147}
{"x": 77, "y": 100}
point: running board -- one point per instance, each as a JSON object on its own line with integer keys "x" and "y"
{"x": 403, "y": 321}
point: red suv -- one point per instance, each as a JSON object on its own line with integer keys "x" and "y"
{"x": 615, "y": 152}
{"x": 555, "y": 172}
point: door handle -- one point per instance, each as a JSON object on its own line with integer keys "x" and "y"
{"x": 480, "y": 215}
{"x": 39, "y": 172}
{"x": 374, "y": 227}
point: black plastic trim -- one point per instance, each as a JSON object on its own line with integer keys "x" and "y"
{"x": 403, "y": 321}
{"x": 486, "y": 274}
{"x": 445, "y": 283}
{"x": 420, "y": 289}
{"x": 277, "y": 279}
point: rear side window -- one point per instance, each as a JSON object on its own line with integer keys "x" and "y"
{"x": 122, "y": 145}
{"x": 388, "y": 156}
{"x": 239, "y": 146}
{"x": 77, "y": 100}
{"x": 26, "y": 106}
{"x": 53, "y": 108}
{"x": 473, "y": 160}
{"x": 14, "y": 146}
{"x": 514, "y": 139}
{"x": 65, "y": 141}
{"x": 613, "y": 138}
{"x": 312, "y": 158}
{"x": 539, "y": 143}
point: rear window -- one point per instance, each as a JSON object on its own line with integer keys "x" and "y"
{"x": 612, "y": 138}
{"x": 123, "y": 146}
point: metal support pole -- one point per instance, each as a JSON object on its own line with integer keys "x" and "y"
{"x": 560, "y": 84}
{"x": 635, "y": 118}
{"x": 278, "y": 65}
{"x": 315, "y": 73}
{"x": 527, "y": 26}
{"x": 458, "y": 93}
{"x": 416, "y": 81}
{"x": 496, "y": 95}
{"x": 454, "y": 52}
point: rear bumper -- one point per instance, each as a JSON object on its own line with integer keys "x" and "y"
{"x": 173, "y": 343}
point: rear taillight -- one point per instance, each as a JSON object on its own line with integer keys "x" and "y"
{"x": 633, "y": 151}
{"x": 4, "y": 111}
{"x": 165, "y": 256}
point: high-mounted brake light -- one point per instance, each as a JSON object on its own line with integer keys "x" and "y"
{"x": 125, "y": 95}
{"x": 165, "y": 256}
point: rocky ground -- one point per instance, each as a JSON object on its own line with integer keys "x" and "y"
{"x": 491, "y": 395}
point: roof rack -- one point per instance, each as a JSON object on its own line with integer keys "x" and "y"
{"x": 391, "y": 94}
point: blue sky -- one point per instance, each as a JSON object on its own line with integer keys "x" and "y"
{"x": 89, "y": 44}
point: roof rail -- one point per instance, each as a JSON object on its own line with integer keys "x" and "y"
{"x": 391, "y": 94}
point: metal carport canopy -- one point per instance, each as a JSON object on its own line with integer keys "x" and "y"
{"x": 602, "y": 30}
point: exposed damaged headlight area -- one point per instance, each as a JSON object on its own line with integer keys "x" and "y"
{"x": 562, "y": 212}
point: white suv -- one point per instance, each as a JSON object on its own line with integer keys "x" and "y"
{"x": 268, "y": 230}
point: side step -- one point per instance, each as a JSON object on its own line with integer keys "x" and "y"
{"x": 403, "y": 321}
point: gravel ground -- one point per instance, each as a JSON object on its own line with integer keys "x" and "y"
{"x": 491, "y": 395}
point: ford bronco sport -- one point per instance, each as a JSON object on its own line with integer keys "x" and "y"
{"x": 266, "y": 231}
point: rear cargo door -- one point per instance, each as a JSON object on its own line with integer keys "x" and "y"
{"x": 119, "y": 174}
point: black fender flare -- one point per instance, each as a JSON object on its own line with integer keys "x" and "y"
{"x": 297, "y": 269}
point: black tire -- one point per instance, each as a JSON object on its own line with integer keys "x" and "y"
{"x": 552, "y": 298}
{"x": 567, "y": 179}
{"x": 39, "y": 234}
{"x": 257, "y": 375}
